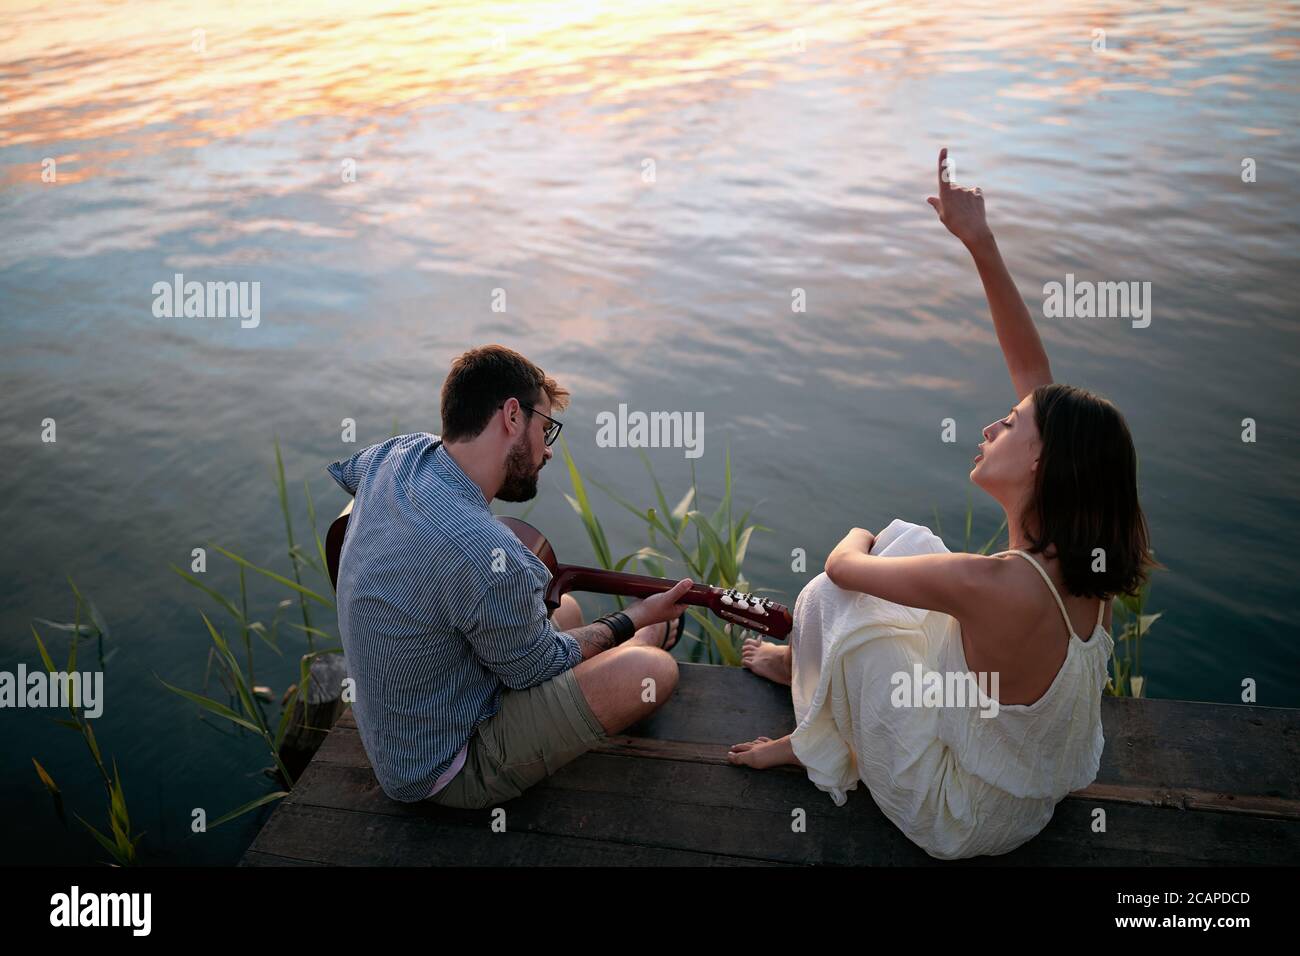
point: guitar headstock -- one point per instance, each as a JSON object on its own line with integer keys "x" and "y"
{"x": 751, "y": 611}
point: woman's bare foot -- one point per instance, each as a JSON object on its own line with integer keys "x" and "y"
{"x": 764, "y": 752}
{"x": 767, "y": 660}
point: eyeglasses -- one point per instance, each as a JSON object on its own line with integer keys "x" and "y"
{"x": 552, "y": 431}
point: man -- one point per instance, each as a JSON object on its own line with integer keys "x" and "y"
{"x": 466, "y": 692}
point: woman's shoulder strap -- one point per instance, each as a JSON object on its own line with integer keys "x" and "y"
{"x": 1052, "y": 587}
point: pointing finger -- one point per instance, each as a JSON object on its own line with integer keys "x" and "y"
{"x": 944, "y": 185}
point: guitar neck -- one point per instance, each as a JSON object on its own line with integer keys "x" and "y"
{"x": 758, "y": 614}
{"x": 570, "y": 577}
{"x": 735, "y": 607}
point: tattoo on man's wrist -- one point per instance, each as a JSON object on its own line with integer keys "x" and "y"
{"x": 597, "y": 636}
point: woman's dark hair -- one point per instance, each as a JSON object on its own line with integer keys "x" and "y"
{"x": 1085, "y": 494}
{"x": 482, "y": 379}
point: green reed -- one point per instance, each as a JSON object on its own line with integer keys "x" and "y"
{"x": 1127, "y": 679}
{"x": 245, "y": 698}
{"x": 122, "y": 845}
{"x": 967, "y": 528}
{"x": 710, "y": 547}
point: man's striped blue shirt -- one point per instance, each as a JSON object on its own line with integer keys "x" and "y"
{"x": 440, "y": 610}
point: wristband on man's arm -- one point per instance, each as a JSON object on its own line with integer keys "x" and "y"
{"x": 620, "y": 624}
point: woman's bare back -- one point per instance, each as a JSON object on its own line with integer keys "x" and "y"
{"x": 1018, "y": 632}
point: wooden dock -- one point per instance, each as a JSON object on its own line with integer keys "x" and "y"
{"x": 1181, "y": 783}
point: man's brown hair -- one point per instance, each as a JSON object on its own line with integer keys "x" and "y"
{"x": 482, "y": 379}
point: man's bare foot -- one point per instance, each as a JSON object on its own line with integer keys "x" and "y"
{"x": 767, "y": 660}
{"x": 652, "y": 635}
{"x": 764, "y": 752}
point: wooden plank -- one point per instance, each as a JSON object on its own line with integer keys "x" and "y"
{"x": 1154, "y": 836}
{"x": 1218, "y": 748}
{"x": 711, "y": 704}
{"x": 326, "y": 836}
{"x": 735, "y": 812}
{"x": 606, "y": 818}
{"x": 1145, "y": 795}
{"x": 1191, "y": 799}
{"x": 1201, "y": 750}
{"x": 665, "y": 786}
{"x": 347, "y": 750}
{"x": 1141, "y": 831}
{"x": 721, "y": 705}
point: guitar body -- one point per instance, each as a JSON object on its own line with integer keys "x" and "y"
{"x": 536, "y": 542}
{"x": 746, "y": 610}
{"x": 334, "y": 541}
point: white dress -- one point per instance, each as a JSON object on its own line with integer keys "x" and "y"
{"x": 956, "y": 783}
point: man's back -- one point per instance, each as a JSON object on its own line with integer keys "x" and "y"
{"x": 439, "y": 609}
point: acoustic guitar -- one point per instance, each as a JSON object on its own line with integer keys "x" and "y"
{"x": 746, "y": 610}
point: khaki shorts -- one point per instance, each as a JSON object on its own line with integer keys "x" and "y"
{"x": 535, "y": 733}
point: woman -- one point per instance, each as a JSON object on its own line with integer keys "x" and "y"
{"x": 960, "y": 780}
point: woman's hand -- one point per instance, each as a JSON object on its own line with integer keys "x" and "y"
{"x": 959, "y": 208}
{"x": 858, "y": 541}
{"x": 852, "y": 547}
{"x": 962, "y": 211}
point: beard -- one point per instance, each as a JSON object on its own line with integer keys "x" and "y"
{"x": 520, "y": 483}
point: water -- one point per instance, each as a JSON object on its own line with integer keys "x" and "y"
{"x": 504, "y": 146}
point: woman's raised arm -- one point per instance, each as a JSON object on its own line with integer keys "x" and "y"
{"x": 962, "y": 211}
